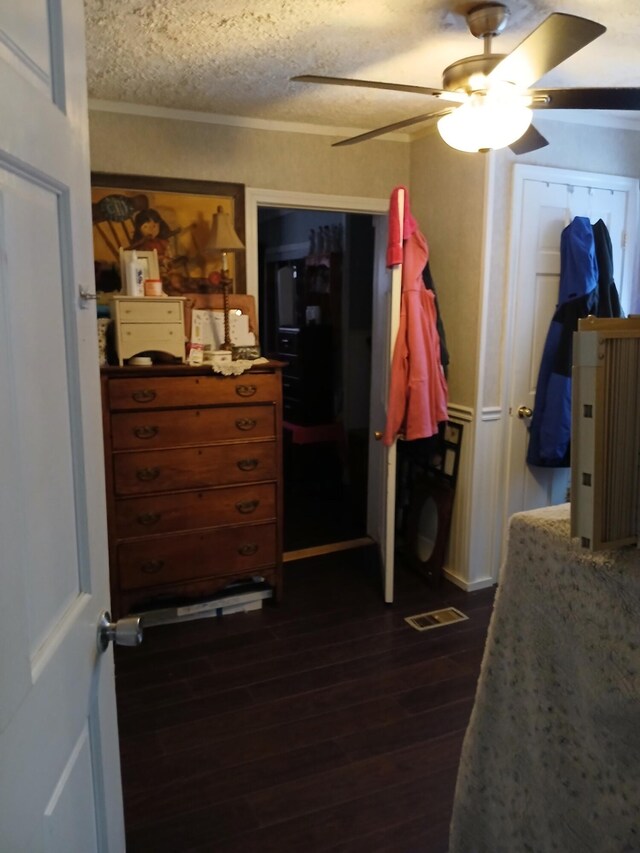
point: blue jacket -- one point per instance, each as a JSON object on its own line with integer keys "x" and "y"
{"x": 550, "y": 430}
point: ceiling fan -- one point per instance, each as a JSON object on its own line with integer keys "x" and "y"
{"x": 489, "y": 99}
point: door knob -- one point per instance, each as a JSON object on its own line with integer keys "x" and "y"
{"x": 124, "y": 632}
{"x": 378, "y": 435}
{"x": 524, "y": 412}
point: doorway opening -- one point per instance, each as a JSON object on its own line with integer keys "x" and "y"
{"x": 315, "y": 273}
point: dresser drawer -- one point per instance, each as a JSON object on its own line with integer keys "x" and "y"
{"x": 149, "y": 311}
{"x": 193, "y": 467}
{"x": 158, "y": 428}
{"x": 182, "y": 391}
{"x": 149, "y": 336}
{"x": 211, "y": 508}
{"x": 191, "y": 556}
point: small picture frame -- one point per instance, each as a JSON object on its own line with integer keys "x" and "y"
{"x": 149, "y": 261}
{"x": 443, "y": 459}
{"x": 452, "y": 432}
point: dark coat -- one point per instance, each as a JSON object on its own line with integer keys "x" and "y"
{"x": 550, "y": 430}
{"x": 608, "y": 299}
{"x": 586, "y": 287}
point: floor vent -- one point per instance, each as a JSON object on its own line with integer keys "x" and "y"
{"x": 435, "y": 618}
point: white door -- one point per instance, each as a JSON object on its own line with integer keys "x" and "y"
{"x": 382, "y": 460}
{"x": 543, "y": 205}
{"x": 59, "y": 764}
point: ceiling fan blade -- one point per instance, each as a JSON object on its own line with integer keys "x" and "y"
{"x": 530, "y": 140}
{"x": 586, "y": 99}
{"x": 370, "y": 134}
{"x": 556, "y": 39}
{"x": 375, "y": 84}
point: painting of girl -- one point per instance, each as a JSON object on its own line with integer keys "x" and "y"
{"x": 152, "y": 232}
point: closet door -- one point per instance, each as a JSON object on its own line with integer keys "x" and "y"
{"x": 545, "y": 202}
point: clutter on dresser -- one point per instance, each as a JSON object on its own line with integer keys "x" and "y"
{"x": 136, "y": 269}
{"x": 208, "y": 331}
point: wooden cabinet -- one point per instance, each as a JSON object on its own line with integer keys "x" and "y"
{"x": 194, "y": 485}
{"x": 309, "y": 375}
{"x": 311, "y": 346}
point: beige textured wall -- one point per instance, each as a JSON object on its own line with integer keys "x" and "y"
{"x": 447, "y": 198}
{"x": 447, "y": 190}
{"x": 257, "y": 158}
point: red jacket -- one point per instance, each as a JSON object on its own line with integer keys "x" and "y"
{"x": 418, "y": 388}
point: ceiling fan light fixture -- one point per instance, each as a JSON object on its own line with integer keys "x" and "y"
{"x": 488, "y": 121}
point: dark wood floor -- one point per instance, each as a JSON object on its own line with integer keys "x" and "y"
{"x": 324, "y": 723}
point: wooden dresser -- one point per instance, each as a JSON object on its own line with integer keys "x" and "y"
{"x": 194, "y": 481}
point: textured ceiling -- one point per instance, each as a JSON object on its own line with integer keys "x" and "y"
{"x": 235, "y": 57}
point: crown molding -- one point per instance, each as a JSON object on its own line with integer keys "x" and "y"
{"x": 593, "y": 118}
{"x": 231, "y": 121}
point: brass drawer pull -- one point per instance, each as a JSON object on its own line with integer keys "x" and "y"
{"x": 144, "y": 396}
{"x": 146, "y": 474}
{"x": 246, "y": 507}
{"x": 248, "y": 549}
{"x": 148, "y": 518}
{"x": 246, "y": 424}
{"x": 246, "y": 390}
{"x": 145, "y": 431}
{"x": 151, "y": 567}
{"x": 247, "y": 464}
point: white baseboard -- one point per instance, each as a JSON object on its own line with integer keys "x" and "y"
{"x": 480, "y": 583}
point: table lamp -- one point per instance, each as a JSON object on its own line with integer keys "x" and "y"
{"x": 223, "y": 239}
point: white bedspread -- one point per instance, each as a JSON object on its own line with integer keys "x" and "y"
{"x": 551, "y": 757}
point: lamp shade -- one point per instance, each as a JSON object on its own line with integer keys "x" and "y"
{"x": 223, "y": 237}
{"x": 488, "y": 120}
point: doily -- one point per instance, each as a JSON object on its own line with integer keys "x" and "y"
{"x": 235, "y": 368}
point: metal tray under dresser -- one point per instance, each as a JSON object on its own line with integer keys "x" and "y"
{"x": 193, "y": 465}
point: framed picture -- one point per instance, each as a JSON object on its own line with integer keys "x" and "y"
{"x": 171, "y": 216}
{"x": 452, "y": 432}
